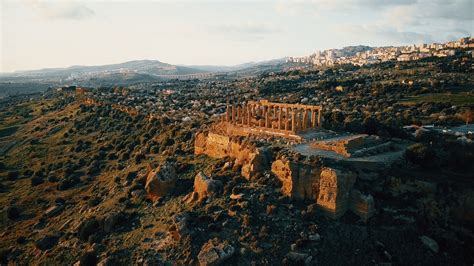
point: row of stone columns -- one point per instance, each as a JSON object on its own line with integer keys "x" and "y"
{"x": 285, "y": 118}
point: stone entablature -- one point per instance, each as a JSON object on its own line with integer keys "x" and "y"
{"x": 274, "y": 117}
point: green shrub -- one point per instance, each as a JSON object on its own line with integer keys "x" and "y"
{"x": 420, "y": 154}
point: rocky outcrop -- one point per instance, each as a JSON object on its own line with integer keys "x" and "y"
{"x": 214, "y": 253}
{"x": 256, "y": 162}
{"x": 334, "y": 191}
{"x": 252, "y": 159}
{"x": 300, "y": 180}
{"x": 161, "y": 181}
{"x": 203, "y": 187}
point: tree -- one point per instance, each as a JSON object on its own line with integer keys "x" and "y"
{"x": 420, "y": 154}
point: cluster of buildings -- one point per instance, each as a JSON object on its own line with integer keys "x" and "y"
{"x": 363, "y": 55}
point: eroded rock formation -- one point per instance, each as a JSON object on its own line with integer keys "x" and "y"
{"x": 161, "y": 181}
{"x": 204, "y": 187}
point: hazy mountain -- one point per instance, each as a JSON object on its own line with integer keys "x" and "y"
{"x": 213, "y": 68}
{"x": 148, "y": 67}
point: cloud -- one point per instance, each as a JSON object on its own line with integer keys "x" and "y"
{"x": 400, "y": 21}
{"x": 318, "y": 7}
{"x": 439, "y": 9}
{"x": 61, "y": 10}
{"x": 385, "y": 34}
{"x": 245, "y": 30}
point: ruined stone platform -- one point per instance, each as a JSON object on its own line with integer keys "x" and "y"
{"x": 317, "y": 165}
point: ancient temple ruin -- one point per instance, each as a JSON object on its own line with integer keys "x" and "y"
{"x": 277, "y": 118}
{"x": 312, "y": 164}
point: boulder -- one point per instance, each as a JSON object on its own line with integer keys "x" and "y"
{"x": 430, "y": 243}
{"x": 13, "y": 212}
{"x": 179, "y": 227}
{"x": 111, "y": 221}
{"x": 47, "y": 242}
{"x": 54, "y": 210}
{"x": 161, "y": 181}
{"x": 205, "y": 186}
{"x": 215, "y": 253}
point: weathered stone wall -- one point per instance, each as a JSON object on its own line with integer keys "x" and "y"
{"x": 334, "y": 191}
{"x": 330, "y": 188}
{"x": 253, "y": 160}
{"x": 300, "y": 180}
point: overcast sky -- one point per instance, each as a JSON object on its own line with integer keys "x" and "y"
{"x": 43, "y": 34}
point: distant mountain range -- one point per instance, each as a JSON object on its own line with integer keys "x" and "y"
{"x": 137, "y": 67}
{"x": 126, "y": 73}
{"x": 148, "y": 67}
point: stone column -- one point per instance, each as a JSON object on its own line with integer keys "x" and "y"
{"x": 233, "y": 115}
{"x": 237, "y": 120}
{"x": 261, "y": 122}
{"x": 280, "y": 117}
{"x": 267, "y": 116}
{"x": 319, "y": 117}
{"x": 305, "y": 119}
{"x": 227, "y": 113}
{"x": 273, "y": 115}
{"x": 293, "y": 121}
{"x": 249, "y": 114}
{"x": 287, "y": 120}
{"x": 313, "y": 118}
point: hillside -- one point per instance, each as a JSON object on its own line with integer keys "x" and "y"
{"x": 75, "y": 167}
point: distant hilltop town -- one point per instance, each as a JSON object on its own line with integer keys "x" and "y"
{"x": 363, "y": 55}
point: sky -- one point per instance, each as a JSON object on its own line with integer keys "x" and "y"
{"x": 60, "y": 33}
